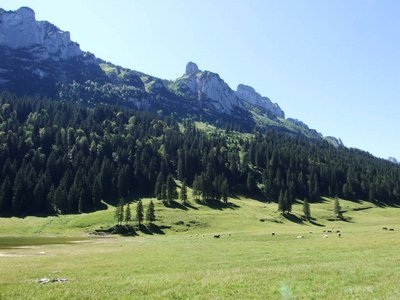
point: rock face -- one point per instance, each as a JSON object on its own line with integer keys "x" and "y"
{"x": 191, "y": 68}
{"x": 209, "y": 88}
{"x": 248, "y": 94}
{"x": 19, "y": 30}
{"x": 297, "y": 122}
{"x": 393, "y": 160}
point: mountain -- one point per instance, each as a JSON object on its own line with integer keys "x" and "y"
{"x": 77, "y": 131}
{"x": 40, "y": 59}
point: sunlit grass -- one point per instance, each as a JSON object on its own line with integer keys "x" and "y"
{"x": 249, "y": 264}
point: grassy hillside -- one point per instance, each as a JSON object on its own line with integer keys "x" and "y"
{"x": 249, "y": 264}
{"x": 239, "y": 215}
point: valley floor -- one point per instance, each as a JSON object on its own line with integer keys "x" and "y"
{"x": 246, "y": 262}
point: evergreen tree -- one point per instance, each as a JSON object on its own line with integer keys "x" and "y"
{"x": 337, "y": 208}
{"x": 171, "y": 189}
{"x": 150, "y": 213}
{"x": 281, "y": 202}
{"x": 158, "y": 187}
{"x": 225, "y": 191}
{"x": 183, "y": 193}
{"x": 119, "y": 211}
{"x": 251, "y": 183}
{"x": 306, "y": 209}
{"x": 128, "y": 214}
{"x": 139, "y": 212}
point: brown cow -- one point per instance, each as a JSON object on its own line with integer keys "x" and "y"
{"x": 217, "y": 235}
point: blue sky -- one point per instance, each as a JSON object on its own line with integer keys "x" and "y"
{"x": 334, "y": 65}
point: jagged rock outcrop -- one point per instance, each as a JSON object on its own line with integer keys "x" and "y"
{"x": 191, "y": 68}
{"x": 20, "y": 30}
{"x": 248, "y": 94}
{"x": 393, "y": 160}
{"x": 297, "y": 122}
{"x": 210, "y": 89}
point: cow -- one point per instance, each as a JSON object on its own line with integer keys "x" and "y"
{"x": 217, "y": 235}
{"x": 339, "y": 234}
{"x": 272, "y": 233}
{"x": 384, "y": 228}
{"x": 300, "y": 237}
{"x": 391, "y": 229}
{"x": 324, "y": 236}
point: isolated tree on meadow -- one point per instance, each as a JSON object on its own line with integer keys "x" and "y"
{"x": 119, "y": 211}
{"x": 337, "y": 208}
{"x": 306, "y": 209}
{"x": 150, "y": 213}
{"x": 139, "y": 212}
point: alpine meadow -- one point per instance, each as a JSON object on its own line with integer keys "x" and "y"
{"x": 115, "y": 184}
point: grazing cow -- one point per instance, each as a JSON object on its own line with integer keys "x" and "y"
{"x": 391, "y": 229}
{"x": 324, "y": 230}
{"x": 300, "y": 237}
{"x": 330, "y": 231}
{"x": 324, "y": 236}
{"x": 217, "y": 235}
{"x": 339, "y": 234}
{"x": 272, "y": 233}
{"x": 384, "y": 228}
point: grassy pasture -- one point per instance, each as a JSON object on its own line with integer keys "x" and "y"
{"x": 250, "y": 264}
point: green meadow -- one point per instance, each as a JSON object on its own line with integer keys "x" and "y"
{"x": 184, "y": 261}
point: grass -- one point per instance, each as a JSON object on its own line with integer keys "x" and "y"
{"x": 249, "y": 264}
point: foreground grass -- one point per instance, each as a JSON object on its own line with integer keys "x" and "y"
{"x": 249, "y": 264}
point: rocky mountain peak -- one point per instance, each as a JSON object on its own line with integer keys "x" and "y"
{"x": 191, "y": 68}
{"x": 20, "y": 30}
{"x": 249, "y": 94}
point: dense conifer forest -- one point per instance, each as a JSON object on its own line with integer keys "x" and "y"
{"x": 65, "y": 157}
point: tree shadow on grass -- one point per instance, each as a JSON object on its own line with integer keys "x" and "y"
{"x": 150, "y": 229}
{"x": 175, "y": 205}
{"x": 293, "y": 218}
{"x": 214, "y": 204}
{"x": 315, "y": 223}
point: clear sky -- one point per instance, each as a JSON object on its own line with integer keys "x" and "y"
{"x": 332, "y": 64}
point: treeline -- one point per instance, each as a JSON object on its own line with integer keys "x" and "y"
{"x": 63, "y": 157}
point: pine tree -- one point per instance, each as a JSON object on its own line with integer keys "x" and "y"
{"x": 183, "y": 193}
{"x": 139, "y": 212}
{"x": 150, "y": 213}
{"x": 128, "y": 214}
{"x": 119, "y": 211}
{"x": 337, "y": 208}
{"x": 225, "y": 191}
{"x": 306, "y": 209}
{"x": 158, "y": 187}
{"x": 281, "y": 203}
{"x": 251, "y": 183}
{"x": 171, "y": 189}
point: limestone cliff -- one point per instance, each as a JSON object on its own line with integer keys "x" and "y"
{"x": 20, "y": 30}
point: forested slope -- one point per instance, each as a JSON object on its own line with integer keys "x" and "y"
{"x": 64, "y": 157}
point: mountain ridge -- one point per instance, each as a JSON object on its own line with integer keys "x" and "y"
{"x": 46, "y": 62}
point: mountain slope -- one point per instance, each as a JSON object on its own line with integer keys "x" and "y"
{"x": 40, "y": 59}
